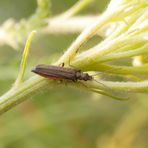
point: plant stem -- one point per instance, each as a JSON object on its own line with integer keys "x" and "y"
{"x": 16, "y": 96}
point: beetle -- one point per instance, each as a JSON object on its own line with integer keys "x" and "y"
{"x": 61, "y": 73}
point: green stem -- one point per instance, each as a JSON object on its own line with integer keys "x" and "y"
{"x": 23, "y": 64}
{"x": 16, "y": 96}
{"x": 80, "y": 5}
{"x": 123, "y": 55}
{"x": 121, "y": 86}
{"x": 124, "y": 70}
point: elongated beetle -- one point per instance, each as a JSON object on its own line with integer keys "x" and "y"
{"x": 61, "y": 73}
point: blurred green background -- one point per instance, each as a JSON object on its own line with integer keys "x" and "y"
{"x": 64, "y": 117}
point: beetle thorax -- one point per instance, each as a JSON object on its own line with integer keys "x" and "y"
{"x": 83, "y": 76}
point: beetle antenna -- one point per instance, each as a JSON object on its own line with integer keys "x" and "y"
{"x": 102, "y": 84}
